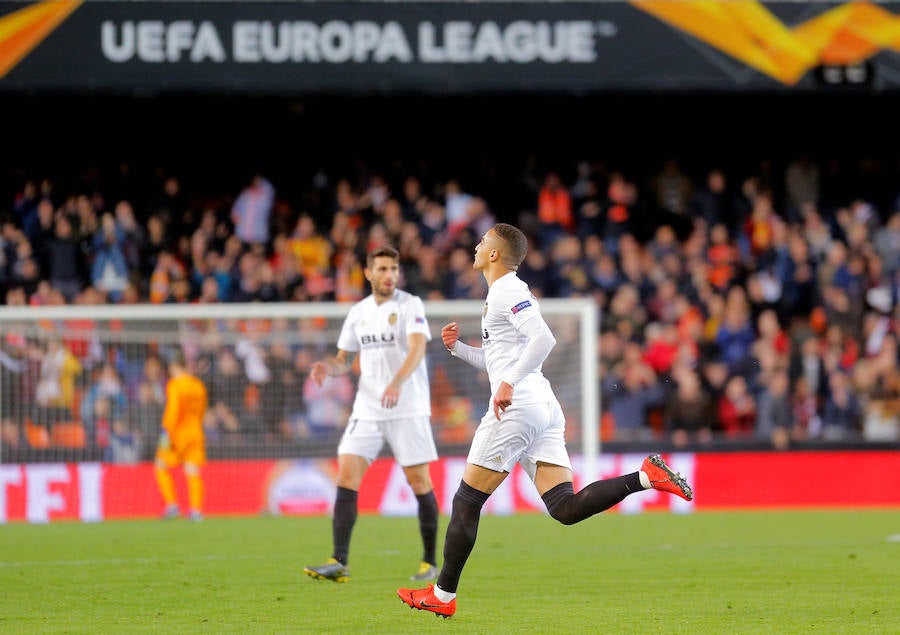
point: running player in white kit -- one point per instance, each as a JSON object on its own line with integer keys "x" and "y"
{"x": 524, "y": 423}
{"x": 389, "y": 330}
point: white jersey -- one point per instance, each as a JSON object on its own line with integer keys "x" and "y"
{"x": 508, "y": 305}
{"x": 378, "y": 332}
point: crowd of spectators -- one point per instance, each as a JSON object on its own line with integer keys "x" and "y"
{"x": 757, "y": 306}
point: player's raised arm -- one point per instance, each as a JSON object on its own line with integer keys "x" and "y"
{"x": 472, "y": 355}
{"x": 449, "y": 335}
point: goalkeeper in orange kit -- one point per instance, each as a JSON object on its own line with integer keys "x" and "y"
{"x": 181, "y": 441}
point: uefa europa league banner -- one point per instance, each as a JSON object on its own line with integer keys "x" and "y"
{"x": 447, "y": 47}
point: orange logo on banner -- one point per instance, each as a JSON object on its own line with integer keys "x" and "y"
{"x": 746, "y": 30}
{"x": 21, "y": 31}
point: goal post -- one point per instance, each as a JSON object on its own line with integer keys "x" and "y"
{"x": 86, "y": 383}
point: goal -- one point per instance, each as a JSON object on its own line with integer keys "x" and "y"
{"x": 86, "y": 383}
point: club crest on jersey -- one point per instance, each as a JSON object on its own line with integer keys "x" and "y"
{"x": 521, "y": 306}
{"x": 392, "y": 319}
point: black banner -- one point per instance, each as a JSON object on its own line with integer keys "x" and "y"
{"x": 434, "y": 47}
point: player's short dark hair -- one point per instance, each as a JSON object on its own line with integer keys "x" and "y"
{"x": 516, "y": 244}
{"x": 382, "y": 252}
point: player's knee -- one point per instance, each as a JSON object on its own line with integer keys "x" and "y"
{"x": 420, "y": 483}
{"x": 563, "y": 514}
{"x": 560, "y": 502}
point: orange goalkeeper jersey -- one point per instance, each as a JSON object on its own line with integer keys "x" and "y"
{"x": 186, "y": 401}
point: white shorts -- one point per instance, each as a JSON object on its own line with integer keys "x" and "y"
{"x": 410, "y": 440}
{"x": 525, "y": 434}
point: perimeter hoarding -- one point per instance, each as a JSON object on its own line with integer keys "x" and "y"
{"x": 447, "y": 47}
{"x": 92, "y": 492}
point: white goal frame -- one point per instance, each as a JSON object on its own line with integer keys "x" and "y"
{"x": 438, "y": 312}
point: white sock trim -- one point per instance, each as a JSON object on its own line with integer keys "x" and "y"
{"x": 442, "y": 595}
{"x": 645, "y": 480}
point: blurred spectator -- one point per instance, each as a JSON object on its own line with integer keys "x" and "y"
{"x": 630, "y": 391}
{"x": 464, "y": 283}
{"x": 124, "y": 444}
{"x": 554, "y": 208}
{"x": 327, "y": 406}
{"x": 133, "y": 234}
{"x": 66, "y": 267}
{"x": 456, "y": 205}
{"x": 735, "y": 334}
{"x": 881, "y": 417}
{"x": 13, "y": 386}
{"x": 279, "y": 398}
{"x": 55, "y": 391}
{"x": 773, "y": 412}
{"x": 252, "y": 210}
{"x": 156, "y": 242}
{"x": 619, "y": 211}
{"x": 802, "y": 182}
{"x": 424, "y": 277}
{"x": 672, "y": 190}
{"x": 312, "y": 251}
{"x": 737, "y": 409}
{"x": 228, "y": 386}
{"x": 712, "y": 201}
{"x": 144, "y": 414}
{"x": 537, "y": 272}
{"x": 110, "y": 273}
{"x": 689, "y": 411}
{"x": 886, "y": 241}
{"x": 723, "y": 257}
{"x": 842, "y": 416}
{"x": 413, "y": 200}
{"x": 105, "y": 382}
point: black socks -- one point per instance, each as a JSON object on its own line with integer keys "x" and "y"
{"x": 569, "y": 508}
{"x": 428, "y": 524}
{"x": 345, "y": 511}
{"x": 461, "y": 533}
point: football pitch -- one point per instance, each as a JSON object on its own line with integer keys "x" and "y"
{"x": 712, "y": 572}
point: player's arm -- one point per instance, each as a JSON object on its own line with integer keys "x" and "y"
{"x": 332, "y": 366}
{"x": 171, "y": 415}
{"x": 416, "y": 343}
{"x": 172, "y": 412}
{"x": 540, "y": 342}
{"x": 472, "y": 355}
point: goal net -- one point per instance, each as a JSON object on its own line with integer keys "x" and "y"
{"x": 87, "y": 383}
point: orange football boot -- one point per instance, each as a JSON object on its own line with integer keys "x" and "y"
{"x": 664, "y": 479}
{"x": 425, "y": 600}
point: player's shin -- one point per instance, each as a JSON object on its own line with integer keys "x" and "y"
{"x": 461, "y": 534}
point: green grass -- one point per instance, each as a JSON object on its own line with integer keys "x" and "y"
{"x": 743, "y": 572}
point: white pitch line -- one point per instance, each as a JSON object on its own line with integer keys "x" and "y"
{"x": 108, "y": 561}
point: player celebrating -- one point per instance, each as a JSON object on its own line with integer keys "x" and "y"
{"x": 390, "y": 332}
{"x": 182, "y": 440}
{"x": 524, "y": 423}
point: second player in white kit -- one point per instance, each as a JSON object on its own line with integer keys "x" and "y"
{"x": 389, "y": 331}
